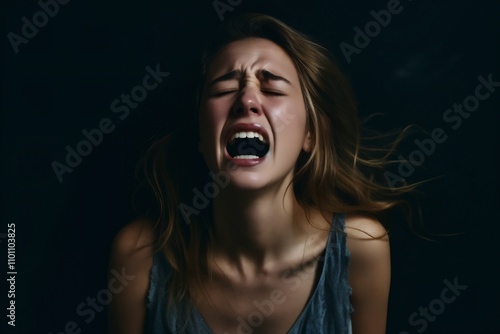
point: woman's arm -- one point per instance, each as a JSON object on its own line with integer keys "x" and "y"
{"x": 369, "y": 274}
{"x": 131, "y": 259}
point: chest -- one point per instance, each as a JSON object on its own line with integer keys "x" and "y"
{"x": 272, "y": 306}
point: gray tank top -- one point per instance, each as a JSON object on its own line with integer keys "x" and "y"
{"x": 328, "y": 310}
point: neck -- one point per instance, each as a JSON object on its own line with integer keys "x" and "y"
{"x": 257, "y": 229}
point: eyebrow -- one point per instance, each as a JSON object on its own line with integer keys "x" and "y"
{"x": 236, "y": 74}
{"x": 225, "y": 77}
{"x": 270, "y": 76}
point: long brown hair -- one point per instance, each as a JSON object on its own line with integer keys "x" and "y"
{"x": 339, "y": 175}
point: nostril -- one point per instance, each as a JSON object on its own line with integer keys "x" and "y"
{"x": 245, "y": 108}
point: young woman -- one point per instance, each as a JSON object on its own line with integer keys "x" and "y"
{"x": 267, "y": 207}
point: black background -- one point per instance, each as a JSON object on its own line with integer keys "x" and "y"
{"x": 64, "y": 79}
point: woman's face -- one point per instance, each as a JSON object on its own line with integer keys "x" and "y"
{"x": 252, "y": 114}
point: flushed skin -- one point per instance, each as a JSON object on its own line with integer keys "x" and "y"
{"x": 252, "y": 97}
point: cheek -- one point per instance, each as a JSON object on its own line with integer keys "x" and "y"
{"x": 289, "y": 119}
{"x": 211, "y": 122}
{"x": 213, "y": 112}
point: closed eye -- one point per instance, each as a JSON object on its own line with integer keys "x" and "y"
{"x": 267, "y": 92}
{"x": 224, "y": 92}
{"x": 272, "y": 92}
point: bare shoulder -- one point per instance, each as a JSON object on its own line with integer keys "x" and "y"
{"x": 134, "y": 239}
{"x": 368, "y": 244}
{"x": 369, "y": 273}
{"x": 132, "y": 257}
{"x": 364, "y": 227}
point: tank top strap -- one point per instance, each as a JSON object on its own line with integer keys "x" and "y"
{"x": 156, "y": 302}
{"x": 328, "y": 310}
{"x": 338, "y": 258}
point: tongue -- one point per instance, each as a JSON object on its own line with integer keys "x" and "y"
{"x": 247, "y": 146}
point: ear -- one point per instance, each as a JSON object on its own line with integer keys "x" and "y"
{"x": 307, "y": 146}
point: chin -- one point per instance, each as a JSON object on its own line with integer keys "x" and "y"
{"x": 244, "y": 180}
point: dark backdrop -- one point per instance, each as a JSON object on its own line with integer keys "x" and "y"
{"x": 63, "y": 78}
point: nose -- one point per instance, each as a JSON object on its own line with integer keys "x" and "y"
{"x": 248, "y": 102}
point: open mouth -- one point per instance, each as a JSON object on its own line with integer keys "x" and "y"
{"x": 247, "y": 145}
{"x": 247, "y": 141}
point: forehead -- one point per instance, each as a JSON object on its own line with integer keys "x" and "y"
{"x": 252, "y": 54}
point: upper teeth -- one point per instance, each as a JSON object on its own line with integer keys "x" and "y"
{"x": 250, "y": 134}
